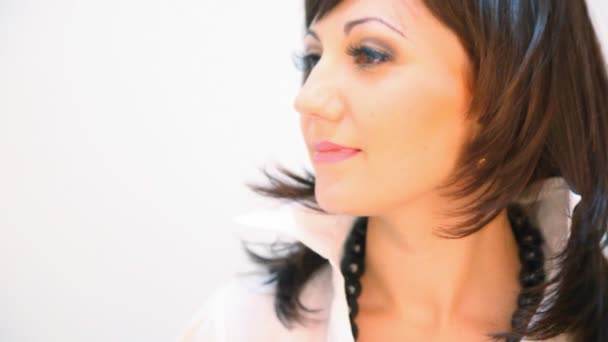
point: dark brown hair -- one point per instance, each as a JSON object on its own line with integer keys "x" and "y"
{"x": 540, "y": 94}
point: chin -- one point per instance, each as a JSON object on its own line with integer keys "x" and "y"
{"x": 331, "y": 203}
{"x": 336, "y": 202}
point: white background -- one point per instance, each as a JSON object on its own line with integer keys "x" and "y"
{"x": 127, "y": 131}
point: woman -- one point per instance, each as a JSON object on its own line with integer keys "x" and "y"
{"x": 460, "y": 190}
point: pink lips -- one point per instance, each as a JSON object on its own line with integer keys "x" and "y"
{"x": 328, "y": 152}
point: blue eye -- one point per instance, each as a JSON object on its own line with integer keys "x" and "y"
{"x": 366, "y": 56}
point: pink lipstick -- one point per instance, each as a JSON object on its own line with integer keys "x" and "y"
{"x": 328, "y": 152}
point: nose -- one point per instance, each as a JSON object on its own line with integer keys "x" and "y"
{"x": 320, "y": 96}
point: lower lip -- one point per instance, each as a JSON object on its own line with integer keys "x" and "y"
{"x": 333, "y": 156}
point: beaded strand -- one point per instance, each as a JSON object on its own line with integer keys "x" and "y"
{"x": 529, "y": 240}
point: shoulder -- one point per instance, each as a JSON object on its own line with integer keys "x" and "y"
{"x": 243, "y": 310}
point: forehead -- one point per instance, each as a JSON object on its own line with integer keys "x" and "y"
{"x": 398, "y": 12}
{"x": 408, "y": 16}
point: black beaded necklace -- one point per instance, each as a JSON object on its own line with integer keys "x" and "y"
{"x": 529, "y": 239}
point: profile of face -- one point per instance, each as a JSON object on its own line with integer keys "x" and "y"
{"x": 389, "y": 79}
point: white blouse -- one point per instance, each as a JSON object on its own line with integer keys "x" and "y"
{"x": 243, "y": 309}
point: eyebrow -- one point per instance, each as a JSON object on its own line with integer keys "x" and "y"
{"x": 350, "y": 24}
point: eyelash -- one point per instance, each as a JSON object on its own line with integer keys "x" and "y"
{"x": 304, "y": 62}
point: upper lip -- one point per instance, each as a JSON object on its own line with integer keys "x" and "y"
{"x": 325, "y": 145}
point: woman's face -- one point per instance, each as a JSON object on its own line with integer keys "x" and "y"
{"x": 401, "y": 99}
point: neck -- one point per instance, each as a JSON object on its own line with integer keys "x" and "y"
{"x": 429, "y": 280}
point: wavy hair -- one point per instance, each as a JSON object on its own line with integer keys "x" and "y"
{"x": 540, "y": 95}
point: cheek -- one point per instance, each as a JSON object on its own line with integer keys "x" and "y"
{"x": 414, "y": 129}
